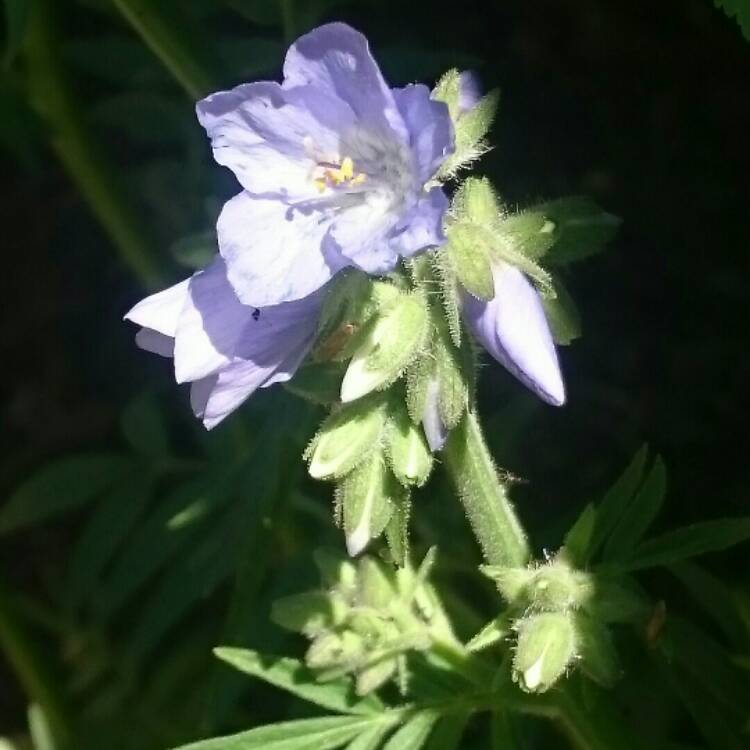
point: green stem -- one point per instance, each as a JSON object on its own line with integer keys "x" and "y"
{"x": 39, "y": 686}
{"x": 76, "y": 147}
{"x": 288, "y": 20}
{"x": 491, "y": 515}
{"x": 182, "y": 50}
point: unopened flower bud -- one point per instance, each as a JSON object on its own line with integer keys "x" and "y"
{"x": 546, "y": 646}
{"x": 334, "y": 650}
{"x": 410, "y": 457}
{"x": 391, "y": 342}
{"x": 365, "y": 497}
{"x": 309, "y": 613}
{"x": 432, "y": 421}
{"x": 345, "y": 439}
{"x": 557, "y": 586}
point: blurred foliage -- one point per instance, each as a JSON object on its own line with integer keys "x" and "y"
{"x": 133, "y": 542}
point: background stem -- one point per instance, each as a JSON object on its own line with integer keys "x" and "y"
{"x": 491, "y": 514}
{"x": 77, "y": 149}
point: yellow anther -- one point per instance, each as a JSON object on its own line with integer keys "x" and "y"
{"x": 335, "y": 175}
{"x": 346, "y": 170}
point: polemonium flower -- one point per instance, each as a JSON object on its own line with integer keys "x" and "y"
{"x": 224, "y": 348}
{"x": 335, "y": 166}
{"x": 336, "y": 169}
{"x": 513, "y": 328}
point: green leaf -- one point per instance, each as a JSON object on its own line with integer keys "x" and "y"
{"x": 716, "y": 598}
{"x": 370, "y": 739}
{"x": 304, "y": 734}
{"x": 39, "y": 729}
{"x": 579, "y": 536}
{"x": 189, "y": 579}
{"x": 448, "y": 732}
{"x": 415, "y": 732}
{"x": 740, "y": 11}
{"x": 183, "y": 49}
{"x": 708, "y": 663}
{"x": 142, "y": 424}
{"x": 16, "y": 21}
{"x": 615, "y": 500}
{"x": 581, "y": 228}
{"x": 107, "y": 527}
{"x": 294, "y": 677}
{"x": 60, "y": 486}
{"x": 638, "y": 515}
{"x": 159, "y": 538}
{"x": 562, "y": 315}
{"x": 687, "y": 542}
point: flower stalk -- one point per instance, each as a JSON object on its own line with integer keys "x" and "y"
{"x": 491, "y": 514}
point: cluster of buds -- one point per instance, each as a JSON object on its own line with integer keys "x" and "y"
{"x": 378, "y": 441}
{"x": 365, "y": 620}
{"x": 557, "y": 618}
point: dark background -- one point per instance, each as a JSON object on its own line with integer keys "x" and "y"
{"x": 642, "y": 105}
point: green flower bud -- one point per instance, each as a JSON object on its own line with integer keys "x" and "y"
{"x": 557, "y": 586}
{"x": 547, "y": 645}
{"x": 376, "y": 584}
{"x": 469, "y": 259}
{"x": 374, "y": 676}
{"x": 477, "y": 202}
{"x": 335, "y": 650}
{"x": 407, "y": 451}
{"x": 309, "y": 613}
{"x": 335, "y": 570}
{"x": 365, "y": 498}
{"x": 511, "y": 582}
{"x": 345, "y": 439}
{"x": 389, "y": 345}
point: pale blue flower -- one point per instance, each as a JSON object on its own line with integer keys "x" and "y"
{"x": 336, "y": 170}
{"x": 335, "y": 166}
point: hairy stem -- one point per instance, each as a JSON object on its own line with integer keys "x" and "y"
{"x": 490, "y": 512}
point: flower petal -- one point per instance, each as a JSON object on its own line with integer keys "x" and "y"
{"x": 423, "y": 226}
{"x": 275, "y": 252}
{"x": 155, "y": 342}
{"x": 432, "y": 423}
{"x": 512, "y": 327}
{"x": 336, "y": 60}
{"x": 269, "y": 136}
{"x": 161, "y": 311}
{"x": 270, "y": 349}
{"x": 429, "y": 125}
{"x": 469, "y": 91}
{"x": 210, "y": 326}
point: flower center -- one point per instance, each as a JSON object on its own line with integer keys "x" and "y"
{"x": 330, "y": 175}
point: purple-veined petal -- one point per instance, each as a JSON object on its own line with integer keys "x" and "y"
{"x": 275, "y": 252}
{"x": 469, "y": 91}
{"x": 160, "y": 311}
{"x": 155, "y": 342}
{"x": 336, "y": 60}
{"x": 423, "y": 226}
{"x": 513, "y": 328}
{"x": 270, "y": 137}
{"x": 429, "y": 125}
